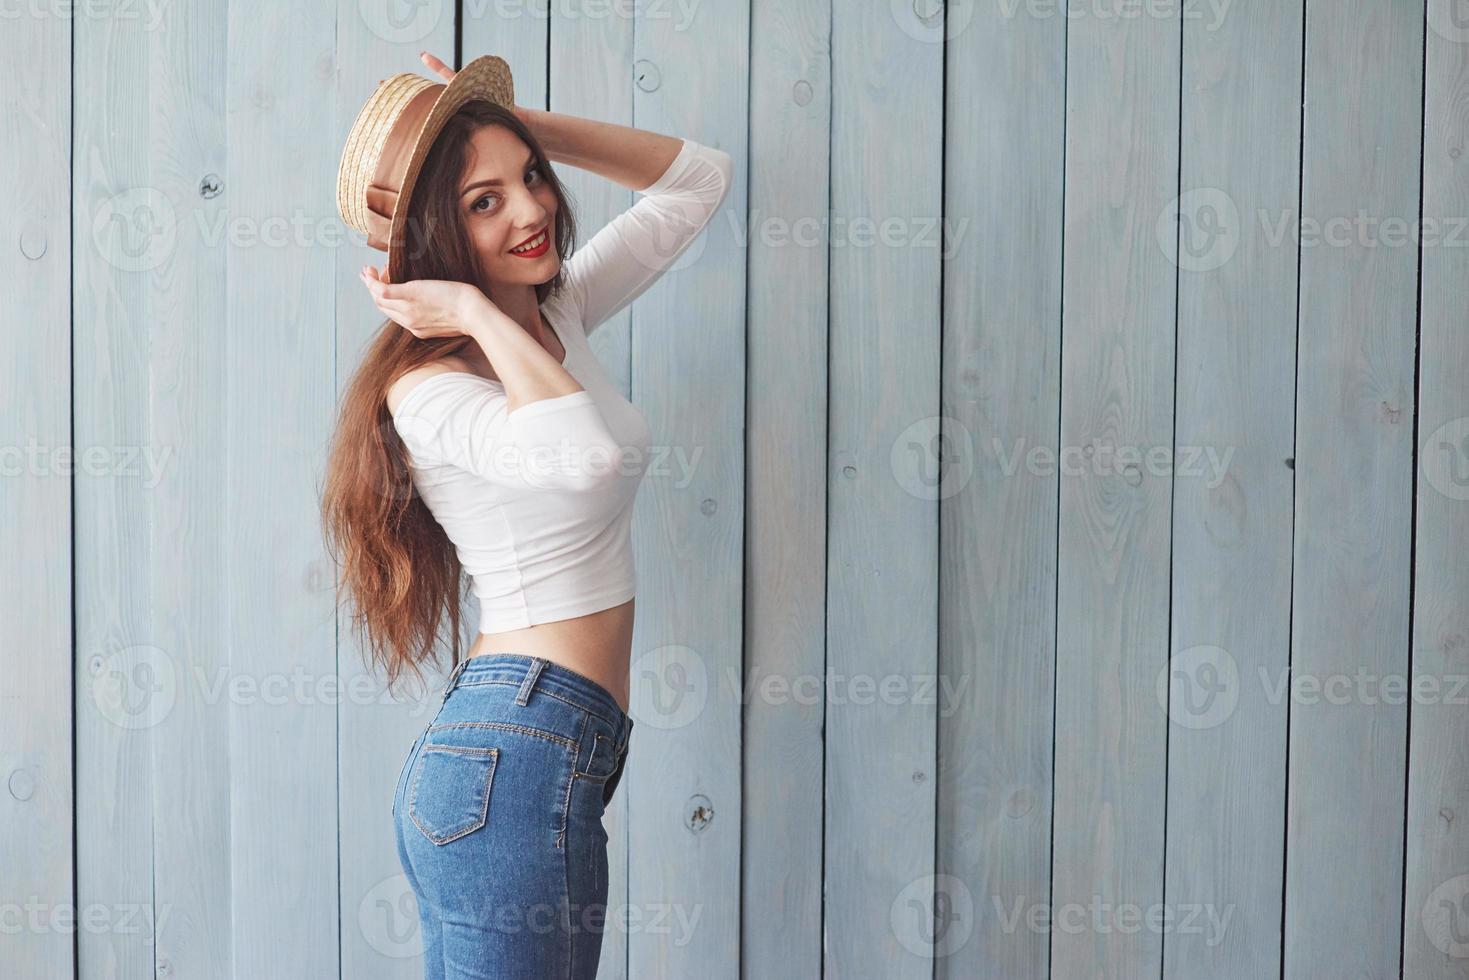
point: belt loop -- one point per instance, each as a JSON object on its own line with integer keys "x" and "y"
{"x": 532, "y": 673}
{"x": 454, "y": 677}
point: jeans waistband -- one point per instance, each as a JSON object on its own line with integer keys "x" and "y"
{"x": 538, "y": 673}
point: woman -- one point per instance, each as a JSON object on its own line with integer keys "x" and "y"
{"x": 481, "y": 435}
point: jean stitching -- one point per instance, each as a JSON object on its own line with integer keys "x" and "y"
{"x": 566, "y": 802}
{"x": 566, "y": 898}
{"x": 598, "y": 739}
{"x": 547, "y": 692}
{"x": 528, "y": 682}
{"x": 507, "y": 726}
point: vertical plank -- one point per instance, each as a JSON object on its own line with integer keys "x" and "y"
{"x": 125, "y": 231}
{"x": 36, "y": 485}
{"x": 785, "y": 534}
{"x": 882, "y": 567}
{"x": 1435, "y": 926}
{"x": 1354, "y": 447}
{"x": 187, "y": 164}
{"x": 691, "y": 71}
{"x": 380, "y": 930}
{"x": 279, "y": 398}
{"x": 1122, "y": 91}
{"x": 1232, "y": 489}
{"x": 1005, "y": 115}
{"x": 591, "y": 75}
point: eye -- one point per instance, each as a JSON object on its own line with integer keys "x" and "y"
{"x": 533, "y": 176}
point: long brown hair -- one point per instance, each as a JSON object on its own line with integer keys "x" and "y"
{"x": 398, "y": 567}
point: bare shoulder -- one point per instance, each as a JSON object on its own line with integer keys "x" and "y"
{"x": 408, "y": 380}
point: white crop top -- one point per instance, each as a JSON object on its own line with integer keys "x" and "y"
{"x": 538, "y": 502}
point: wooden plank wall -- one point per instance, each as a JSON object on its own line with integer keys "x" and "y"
{"x": 37, "y": 482}
{"x": 931, "y": 679}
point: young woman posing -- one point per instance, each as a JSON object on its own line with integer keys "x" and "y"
{"x": 480, "y": 435}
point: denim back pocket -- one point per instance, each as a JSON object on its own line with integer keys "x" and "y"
{"x": 451, "y": 790}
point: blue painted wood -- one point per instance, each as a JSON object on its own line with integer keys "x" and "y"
{"x": 1117, "y": 403}
{"x": 1232, "y": 491}
{"x": 37, "y": 648}
{"x": 882, "y": 518}
{"x": 1355, "y": 406}
{"x": 279, "y": 399}
{"x": 1005, "y": 108}
{"x": 691, "y": 79}
{"x": 785, "y": 537}
{"x": 1435, "y": 910}
{"x": 125, "y": 221}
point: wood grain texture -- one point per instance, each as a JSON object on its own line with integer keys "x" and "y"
{"x": 690, "y": 78}
{"x": 279, "y": 398}
{"x": 1232, "y": 491}
{"x": 785, "y": 527}
{"x": 1354, "y": 491}
{"x": 882, "y": 519}
{"x": 38, "y": 650}
{"x": 1004, "y": 101}
{"x": 1435, "y": 910}
{"x": 125, "y": 682}
{"x": 187, "y": 367}
{"x": 1117, "y": 374}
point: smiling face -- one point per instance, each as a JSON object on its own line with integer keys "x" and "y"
{"x": 509, "y": 210}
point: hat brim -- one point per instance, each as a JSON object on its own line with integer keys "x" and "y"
{"x": 486, "y": 78}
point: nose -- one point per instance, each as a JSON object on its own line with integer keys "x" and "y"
{"x": 529, "y": 213}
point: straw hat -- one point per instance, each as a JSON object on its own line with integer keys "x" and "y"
{"x": 391, "y": 138}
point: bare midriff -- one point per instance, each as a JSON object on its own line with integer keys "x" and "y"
{"x": 598, "y": 646}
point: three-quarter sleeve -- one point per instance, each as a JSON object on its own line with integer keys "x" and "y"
{"x": 559, "y": 443}
{"x": 631, "y": 251}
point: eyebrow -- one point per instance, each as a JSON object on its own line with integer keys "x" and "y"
{"x": 496, "y": 181}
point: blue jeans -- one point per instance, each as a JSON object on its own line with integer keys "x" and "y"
{"x": 498, "y": 812}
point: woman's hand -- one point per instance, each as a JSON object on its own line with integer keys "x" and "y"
{"x": 437, "y": 66}
{"x": 426, "y": 308}
{"x": 447, "y": 74}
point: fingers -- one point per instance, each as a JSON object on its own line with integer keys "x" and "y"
{"x": 438, "y": 66}
{"x": 378, "y": 283}
{"x": 391, "y": 299}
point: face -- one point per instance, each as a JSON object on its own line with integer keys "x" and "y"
{"x": 507, "y": 203}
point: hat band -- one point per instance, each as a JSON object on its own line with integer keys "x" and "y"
{"x": 392, "y": 166}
